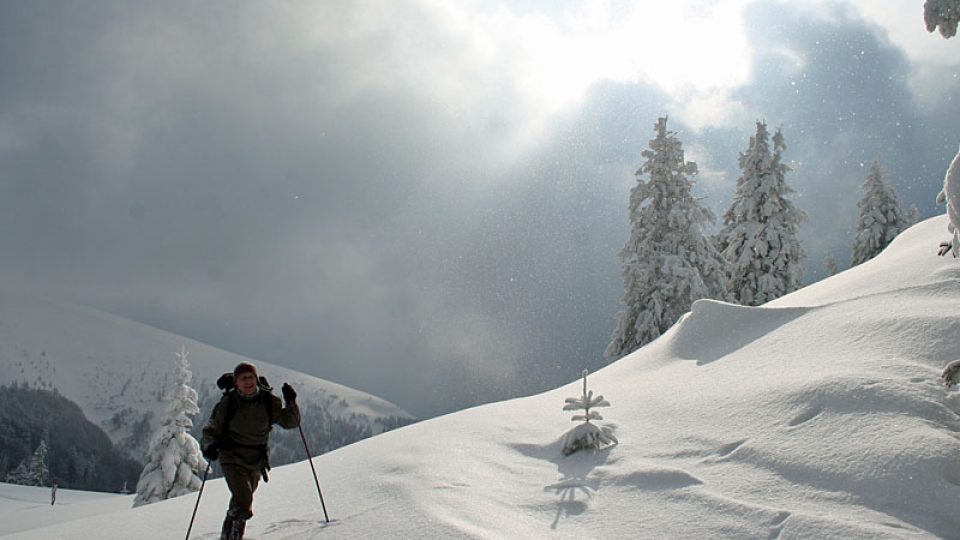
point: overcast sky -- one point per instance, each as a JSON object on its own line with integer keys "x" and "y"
{"x": 424, "y": 199}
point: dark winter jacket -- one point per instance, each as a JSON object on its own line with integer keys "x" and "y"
{"x": 244, "y": 441}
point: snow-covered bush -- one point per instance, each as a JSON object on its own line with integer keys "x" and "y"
{"x": 951, "y": 196}
{"x": 951, "y": 374}
{"x": 586, "y": 436}
{"x": 174, "y": 461}
{"x": 944, "y": 14}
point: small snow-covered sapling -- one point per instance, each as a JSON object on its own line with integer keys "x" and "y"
{"x": 951, "y": 374}
{"x": 586, "y": 435}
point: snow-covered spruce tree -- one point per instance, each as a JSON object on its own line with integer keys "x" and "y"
{"x": 881, "y": 216}
{"x": 759, "y": 244}
{"x": 586, "y": 436}
{"x": 950, "y": 194}
{"x": 668, "y": 262}
{"x": 830, "y": 264}
{"x": 174, "y": 461}
{"x": 33, "y": 470}
{"x": 912, "y": 216}
{"x": 944, "y": 14}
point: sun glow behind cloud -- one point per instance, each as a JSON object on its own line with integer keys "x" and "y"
{"x": 678, "y": 46}
{"x": 533, "y": 62}
{"x": 548, "y": 54}
{"x": 503, "y": 72}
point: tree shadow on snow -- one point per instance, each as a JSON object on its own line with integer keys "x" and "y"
{"x": 574, "y": 489}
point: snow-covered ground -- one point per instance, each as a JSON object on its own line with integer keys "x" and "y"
{"x": 26, "y": 507}
{"x": 819, "y": 415}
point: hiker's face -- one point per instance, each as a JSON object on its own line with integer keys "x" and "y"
{"x": 247, "y": 383}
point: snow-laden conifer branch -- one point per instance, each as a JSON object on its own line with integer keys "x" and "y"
{"x": 942, "y": 14}
{"x": 950, "y": 194}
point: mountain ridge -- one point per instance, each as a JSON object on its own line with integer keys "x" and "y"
{"x": 120, "y": 371}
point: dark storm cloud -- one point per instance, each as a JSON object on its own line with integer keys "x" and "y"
{"x": 302, "y": 195}
{"x": 198, "y": 169}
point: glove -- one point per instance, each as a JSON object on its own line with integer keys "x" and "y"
{"x": 211, "y": 452}
{"x": 289, "y": 394}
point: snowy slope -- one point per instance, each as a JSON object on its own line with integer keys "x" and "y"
{"x": 817, "y": 416}
{"x": 118, "y": 370}
{"x": 24, "y": 507}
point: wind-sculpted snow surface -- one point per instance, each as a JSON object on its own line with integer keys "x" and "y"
{"x": 821, "y": 415}
{"x": 713, "y": 330}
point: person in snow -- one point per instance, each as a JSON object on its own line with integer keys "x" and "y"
{"x": 53, "y": 492}
{"x": 237, "y": 434}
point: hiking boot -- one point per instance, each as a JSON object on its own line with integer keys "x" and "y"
{"x": 227, "y": 530}
{"x": 237, "y": 531}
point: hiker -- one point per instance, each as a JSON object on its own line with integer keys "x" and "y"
{"x": 237, "y": 434}
{"x": 53, "y": 491}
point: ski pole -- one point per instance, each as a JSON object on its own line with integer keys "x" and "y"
{"x": 199, "y": 494}
{"x": 310, "y": 459}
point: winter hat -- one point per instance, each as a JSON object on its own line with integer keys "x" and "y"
{"x": 244, "y": 367}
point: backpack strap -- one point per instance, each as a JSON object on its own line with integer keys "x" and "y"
{"x": 233, "y": 402}
{"x": 268, "y": 403}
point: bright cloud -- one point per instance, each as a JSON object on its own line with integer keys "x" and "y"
{"x": 534, "y": 65}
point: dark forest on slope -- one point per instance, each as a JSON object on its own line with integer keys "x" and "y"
{"x": 78, "y": 453}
